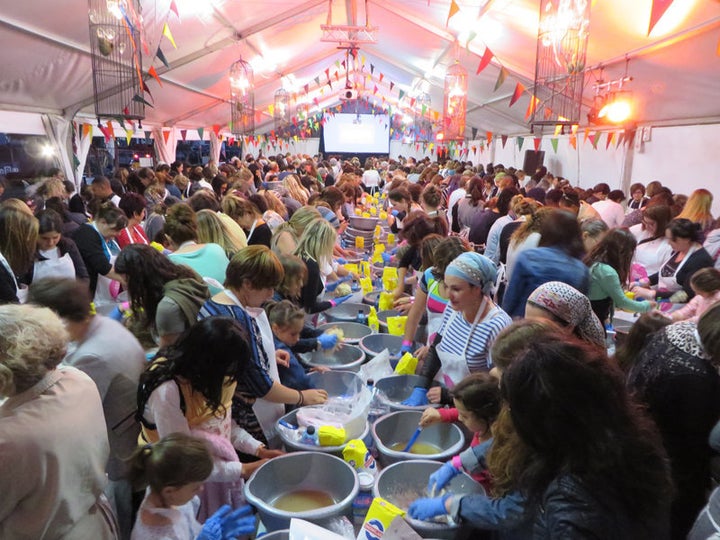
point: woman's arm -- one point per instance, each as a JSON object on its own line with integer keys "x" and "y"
{"x": 280, "y": 393}
{"x": 609, "y": 282}
{"x": 415, "y": 314}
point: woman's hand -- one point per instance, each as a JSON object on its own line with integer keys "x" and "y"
{"x": 434, "y": 394}
{"x": 249, "y": 468}
{"x": 320, "y": 369}
{"x": 403, "y": 304}
{"x": 421, "y": 353}
{"x": 430, "y": 416}
{"x": 282, "y": 358}
{"x": 314, "y": 396}
{"x": 267, "y": 453}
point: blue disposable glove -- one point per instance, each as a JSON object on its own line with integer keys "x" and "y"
{"x": 386, "y": 257}
{"x": 340, "y": 260}
{"x": 337, "y": 301}
{"x": 417, "y": 398}
{"x": 327, "y": 341}
{"x": 406, "y": 348}
{"x": 330, "y": 287}
{"x": 395, "y": 213}
{"x": 441, "y": 478}
{"x": 427, "y": 509}
{"x": 226, "y": 524}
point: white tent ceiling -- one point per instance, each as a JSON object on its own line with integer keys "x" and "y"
{"x": 46, "y": 63}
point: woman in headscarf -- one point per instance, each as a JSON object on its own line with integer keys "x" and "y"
{"x": 471, "y": 323}
{"x": 565, "y": 305}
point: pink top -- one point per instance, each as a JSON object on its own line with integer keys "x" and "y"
{"x": 695, "y": 307}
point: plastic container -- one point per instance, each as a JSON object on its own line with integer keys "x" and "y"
{"x": 308, "y": 436}
{"x": 361, "y": 503}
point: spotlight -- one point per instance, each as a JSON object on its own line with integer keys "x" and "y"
{"x": 612, "y": 108}
{"x": 47, "y": 151}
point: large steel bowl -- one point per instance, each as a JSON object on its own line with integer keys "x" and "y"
{"x": 336, "y": 383}
{"x": 362, "y": 223}
{"x": 293, "y": 445}
{"x": 403, "y": 482}
{"x": 353, "y": 332}
{"x": 397, "y": 427}
{"x": 397, "y": 388}
{"x": 300, "y": 471}
{"x": 374, "y": 344}
{"x": 346, "y": 312}
{"x": 345, "y": 358}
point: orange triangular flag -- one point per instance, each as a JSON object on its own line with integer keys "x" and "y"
{"x": 166, "y": 32}
{"x": 166, "y": 135}
{"x": 585, "y": 137}
{"x": 489, "y": 136}
{"x": 454, "y": 8}
{"x": 87, "y": 129}
{"x": 531, "y": 107}
{"x": 154, "y": 74}
{"x": 519, "y": 89}
{"x": 216, "y": 129}
{"x": 536, "y": 143}
{"x": 658, "y": 9}
{"x": 573, "y": 141}
{"x": 485, "y": 60}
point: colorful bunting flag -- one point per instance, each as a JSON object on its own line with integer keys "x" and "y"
{"x": 536, "y": 143}
{"x": 183, "y": 134}
{"x": 554, "y": 144}
{"x": 658, "y": 9}
{"x": 610, "y": 137}
{"x": 166, "y": 135}
{"x": 520, "y": 141}
{"x": 573, "y": 141}
{"x": 174, "y": 9}
{"x": 162, "y": 57}
{"x": 531, "y": 107}
{"x": 454, "y": 8}
{"x": 489, "y": 136}
{"x": 501, "y": 78}
{"x": 201, "y": 132}
{"x": 166, "y": 32}
{"x": 519, "y": 89}
{"x": 485, "y": 60}
{"x": 504, "y": 139}
{"x": 154, "y": 74}
{"x": 474, "y": 133}
{"x": 128, "y": 136}
{"x": 216, "y": 129}
{"x": 140, "y": 99}
{"x": 620, "y": 139}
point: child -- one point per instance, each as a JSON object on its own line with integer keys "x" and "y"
{"x": 174, "y": 470}
{"x": 287, "y": 322}
{"x": 477, "y": 404}
{"x": 706, "y": 285}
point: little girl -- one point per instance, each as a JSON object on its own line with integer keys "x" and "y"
{"x": 287, "y": 322}
{"x": 477, "y": 404}
{"x": 174, "y": 470}
{"x": 705, "y": 283}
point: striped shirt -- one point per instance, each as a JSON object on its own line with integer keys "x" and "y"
{"x": 455, "y": 332}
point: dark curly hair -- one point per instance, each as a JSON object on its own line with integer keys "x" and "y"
{"x": 147, "y": 271}
{"x": 616, "y": 249}
{"x": 210, "y": 354}
{"x": 569, "y": 405}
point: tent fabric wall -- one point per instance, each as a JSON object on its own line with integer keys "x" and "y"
{"x": 57, "y": 129}
{"x": 84, "y": 140}
{"x": 309, "y": 147}
{"x": 215, "y": 148}
{"x": 165, "y": 150}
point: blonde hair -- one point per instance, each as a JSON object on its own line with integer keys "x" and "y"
{"x": 296, "y": 189}
{"x": 258, "y": 265}
{"x": 303, "y": 217}
{"x": 697, "y": 208}
{"x": 236, "y": 207}
{"x": 317, "y": 242}
{"x": 18, "y": 235}
{"x": 274, "y": 203}
{"x": 33, "y": 341}
{"x": 211, "y": 230}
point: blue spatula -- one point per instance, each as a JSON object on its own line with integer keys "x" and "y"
{"x": 413, "y": 439}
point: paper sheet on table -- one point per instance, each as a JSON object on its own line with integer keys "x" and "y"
{"x": 377, "y": 368}
{"x": 400, "y": 530}
{"x": 304, "y": 530}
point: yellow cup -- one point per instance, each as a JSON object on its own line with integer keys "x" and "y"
{"x": 360, "y": 242}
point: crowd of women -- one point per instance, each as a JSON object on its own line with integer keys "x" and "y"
{"x": 218, "y": 270}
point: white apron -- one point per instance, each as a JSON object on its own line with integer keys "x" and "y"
{"x": 670, "y": 283}
{"x": 106, "y": 290}
{"x": 266, "y": 411}
{"x": 58, "y": 267}
{"x": 454, "y": 367}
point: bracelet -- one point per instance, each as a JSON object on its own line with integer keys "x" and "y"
{"x": 301, "y": 399}
{"x": 407, "y": 342}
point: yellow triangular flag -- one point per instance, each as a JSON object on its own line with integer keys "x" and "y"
{"x": 168, "y": 34}
{"x": 128, "y": 136}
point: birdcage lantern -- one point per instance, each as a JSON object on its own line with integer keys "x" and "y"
{"x": 115, "y": 46}
{"x": 242, "y": 99}
{"x": 455, "y": 102}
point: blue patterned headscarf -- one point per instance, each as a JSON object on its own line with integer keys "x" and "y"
{"x": 474, "y": 268}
